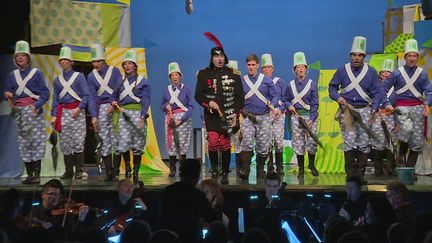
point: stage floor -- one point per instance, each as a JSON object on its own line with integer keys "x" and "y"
{"x": 324, "y": 182}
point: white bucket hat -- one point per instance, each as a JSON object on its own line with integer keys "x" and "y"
{"x": 359, "y": 45}
{"x": 174, "y": 67}
{"x": 65, "y": 53}
{"x": 266, "y": 60}
{"x": 97, "y": 52}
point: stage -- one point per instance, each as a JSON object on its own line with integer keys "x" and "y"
{"x": 158, "y": 181}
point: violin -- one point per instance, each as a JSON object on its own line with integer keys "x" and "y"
{"x": 73, "y": 209}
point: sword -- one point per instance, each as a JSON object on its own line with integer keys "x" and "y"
{"x": 128, "y": 120}
{"x": 225, "y": 126}
{"x": 173, "y": 126}
{"x": 98, "y": 152}
{"x": 308, "y": 129}
{"x": 252, "y": 118}
{"x": 356, "y": 116}
{"x": 54, "y": 153}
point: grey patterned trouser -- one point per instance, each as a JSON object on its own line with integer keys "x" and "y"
{"x": 106, "y": 131}
{"x": 31, "y": 134}
{"x": 415, "y": 141}
{"x": 261, "y": 132}
{"x": 381, "y": 143}
{"x": 131, "y": 136}
{"x": 72, "y": 136}
{"x": 278, "y": 125}
{"x": 301, "y": 140}
{"x": 356, "y": 137}
{"x": 184, "y": 133}
{"x": 236, "y": 141}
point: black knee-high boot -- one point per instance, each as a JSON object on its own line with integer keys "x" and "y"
{"x": 136, "y": 167}
{"x": 300, "y": 162}
{"x": 226, "y": 159}
{"x": 126, "y": 158}
{"x": 109, "y": 169}
{"x": 311, "y": 165}
{"x": 246, "y": 157}
{"x": 238, "y": 163}
{"x": 260, "y": 162}
{"x": 78, "y": 162}
{"x": 377, "y": 158}
{"x": 279, "y": 163}
{"x": 30, "y": 172}
{"x": 37, "y": 166}
{"x": 214, "y": 163}
{"x": 349, "y": 162}
{"x": 172, "y": 166}
{"x": 68, "y": 161}
{"x": 403, "y": 149}
{"x": 270, "y": 162}
{"x": 116, "y": 164}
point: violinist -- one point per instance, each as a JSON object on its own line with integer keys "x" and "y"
{"x": 126, "y": 206}
{"x": 56, "y": 213}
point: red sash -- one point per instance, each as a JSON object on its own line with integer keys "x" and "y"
{"x": 60, "y": 108}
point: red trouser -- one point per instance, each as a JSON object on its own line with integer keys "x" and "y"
{"x": 218, "y": 141}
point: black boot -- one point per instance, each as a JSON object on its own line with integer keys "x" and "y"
{"x": 136, "y": 167}
{"x": 238, "y": 164}
{"x": 226, "y": 159}
{"x": 412, "y": 158}
{"x": 172, "y": 166}
{"x": 390, "y": 167}
{"x": 109, "y": 171}
{"x": 126, "y": 158}
{"x": 311, "y": 165}
{"x": 246, "y": 157}
{"x": 403, "y": 149}
{"x": 362, "y": 162}
{"x": 300, "y": 162}
{"x": 37, "y": 170}
{"x": 79, "y": 162}
{"x": 377, "y": 158}
{"x": 68, "y": 161}
{"x": 270, "y": 163}
{"x": 214, "y": 162}
{"x": 30, "y": 172}
{"x": 116, "y": 160}
{"x": 260, "y": 162}
{"x": 349, "y": 162}
{"x": 279, "y": 163}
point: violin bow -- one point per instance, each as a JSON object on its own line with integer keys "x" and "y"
{"x": 68, "y": 200}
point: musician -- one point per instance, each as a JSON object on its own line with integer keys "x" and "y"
{"x": 103, "y": 80}
{"x": 214, "y": 195}
{"x": 219, "y": 88}
{"x": 27, "y": 92}
{"x": 70, "y": 98}
{"x": 132, "y": 102}
{"x": 355, "y": 204}
{"x": 127, "y": 205}
{"x": 278, "y": 124}
{"x": 273, "y": 195}
{"x": 302, "y": 101}
{"x": 177, "y": 104}
{"x": 54, "y": 207}
{"x": 261, "y": 98}
{"x": 413, "y": 98}
{"x": 356, "y": 85}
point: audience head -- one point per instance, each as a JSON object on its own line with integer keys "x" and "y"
{"x": 212, "y": 191}
{"x": 353, "y": 237}
{"x": 422, "y": 224}
{"x": 399, "y": 233}
{"x": 353, "y": 188}
{"x": 217, "y": 233}
{"x": 164, "y": 236}
{"x": 334, "y": 227}
{"x": 379, "y": 211}
{"x": 256, "y": 235}
{"x": 272, "y": 226}
{"x": 397, "y": 194}
{"x": 92, "y": 235}
{"x": 137, "y": 231}
{"x": 190, "y": 170}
